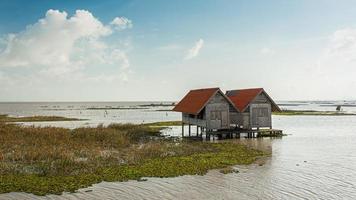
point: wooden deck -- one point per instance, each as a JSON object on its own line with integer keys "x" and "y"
{"x": 236, "y": 133}
{"x": 248, "y": 133}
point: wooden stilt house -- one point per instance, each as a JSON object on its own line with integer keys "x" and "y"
{"x": 254, "y": 108}
{"x": 207, "y": 108}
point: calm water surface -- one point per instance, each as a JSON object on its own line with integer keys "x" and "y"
{"x": 317, "y": 160}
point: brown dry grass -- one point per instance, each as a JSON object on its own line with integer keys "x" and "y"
{"x": 53, "y": 151}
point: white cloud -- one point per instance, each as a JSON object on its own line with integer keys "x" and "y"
{"x": 340, "y": 51}
{"x": 343, "y": 45}
{"x": 58, "y": 44}
{"x": 267, "y": 51}
{"x": 121, "y": 23}
{"x": 335, "y": 68}
{"x": 194, "y": 51}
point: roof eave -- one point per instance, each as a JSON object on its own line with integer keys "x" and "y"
{"x": 191, "y": 113}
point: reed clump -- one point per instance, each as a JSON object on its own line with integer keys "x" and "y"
{"x": 50, "y": 160}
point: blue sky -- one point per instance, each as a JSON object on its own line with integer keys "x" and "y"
{"x": 157, "y": 50}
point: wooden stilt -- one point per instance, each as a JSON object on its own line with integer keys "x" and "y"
{"x": 189, "y": 130}
{"x": 182, "y": 129}
{"x": 197, "y": 131}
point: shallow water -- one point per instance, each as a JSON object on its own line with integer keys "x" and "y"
{"x": 316, "y": 160}
{"x": 94, "y": 113}
{"x": 119, "y": 112}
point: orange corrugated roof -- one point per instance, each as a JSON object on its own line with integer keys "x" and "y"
{"x": 194, "y": 101}
{"x": 242, "y": 98}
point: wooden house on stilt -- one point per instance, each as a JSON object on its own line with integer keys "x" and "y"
{"x": 254, "y": 107}
{"x": 238, "y": 110}
{"x": 208, "y": 109}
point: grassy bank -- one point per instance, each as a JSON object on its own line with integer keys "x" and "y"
{"x": 51, "y": 160}
{"x": 311, "y": 112}
{"x": 6, "y": 118}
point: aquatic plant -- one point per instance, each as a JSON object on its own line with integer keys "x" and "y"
{"x": 228, "y": 169}
{"x": 51, "y": 160}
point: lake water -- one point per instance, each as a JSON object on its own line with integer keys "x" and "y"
{"x": 95, "y": 113}
{"x": 316, "y": 160}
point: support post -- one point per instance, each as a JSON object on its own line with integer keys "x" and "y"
{"x": 189, "y": 130}
{"x": 182, "y": 129}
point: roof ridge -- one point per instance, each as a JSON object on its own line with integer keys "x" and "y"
{"x": 245, "y": 89}
{"x": 216, "y": 88}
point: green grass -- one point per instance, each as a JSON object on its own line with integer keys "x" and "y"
{"x": 266, "y": 133}
{"x": 311, "y": 112}
{"x": 167, "y": 123}
{"x": 6, "y": 118}
{"x": 51, "y": 160}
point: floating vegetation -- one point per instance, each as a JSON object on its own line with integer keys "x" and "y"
{"x": 6, "y": 118}
{"x": 50, "y": 160}
{"x": 270, "y": 133}
{"x": 312, "y": 112}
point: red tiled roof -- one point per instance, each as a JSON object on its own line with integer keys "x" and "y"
{"x": 242, "y": 98}
{"x": 195, "y": 100}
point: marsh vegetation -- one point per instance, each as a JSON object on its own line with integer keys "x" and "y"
{"x": 49, "y": 160}
{"x": 6, "y": 118}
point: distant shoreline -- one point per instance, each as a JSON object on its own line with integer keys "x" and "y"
{"x": 6, "y": 118}
{"x": 312, "y": 112}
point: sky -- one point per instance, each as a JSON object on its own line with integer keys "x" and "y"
{"x": 157, "y": 50}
